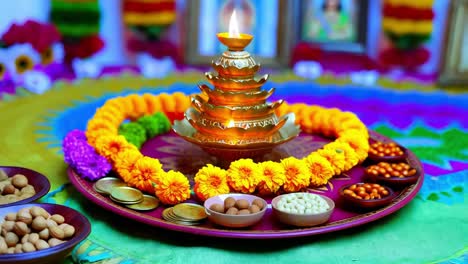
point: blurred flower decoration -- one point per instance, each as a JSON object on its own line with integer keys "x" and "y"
{"x": 366, "y": 78}
{"x": 147, "y": 21}
{"x": 155, "y": 68}
{"x": 308, "y": 69}
{"x": 35, "y": 81}
{"x": 79, "y": 24}
{"x": 29, "y": 44}
{"x": 86, "y": 68}
{"x": 407, "y": 24}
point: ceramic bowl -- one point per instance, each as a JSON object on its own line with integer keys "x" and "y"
{"x": 302, "y": 220}
{"x": 40, "y": 183}
{"x": 57, "y": 253}
{"x": 366, "y": 204}
{"x": 233, "y": 221}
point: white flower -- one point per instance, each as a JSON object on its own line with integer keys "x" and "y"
{"x": 366, "y": 78}
{"x": 3, "y": 64}
{"x": 86, "y": 68}
{"x": 308, "y": 69}
{"x": 21, "y": 58}
{"x": 58, "y": 52}
{"x": 154, "y": 68}
{"x": 36, "y": 82}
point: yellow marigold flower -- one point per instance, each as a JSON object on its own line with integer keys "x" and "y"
{"x": 336, "y": 158}
{"x": 146, "y": 171}
{"x": 350, "y": 156}
{"x": 297, "y": 175}
{"x": 125, "y": 163}
{"x": 320, "y": 169}
{"x": 243, "y": 175}
{"x": 282, "y": 109}
{"x": 110, "y": 117}
{"x": 356, "y": 141}
{"x": 110, "y": 146}
{"x": 152, "y": 103}
{"x": 172, "y": 188}
{"x": 210, "y": 181}
{"x": 272, "y": 177}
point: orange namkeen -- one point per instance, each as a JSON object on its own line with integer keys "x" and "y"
{"x": 289, "y": 175}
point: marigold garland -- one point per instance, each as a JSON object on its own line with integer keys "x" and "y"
{"x": 289, "y": 175}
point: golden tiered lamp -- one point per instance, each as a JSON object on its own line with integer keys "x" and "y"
{"x": 234, "y": 120}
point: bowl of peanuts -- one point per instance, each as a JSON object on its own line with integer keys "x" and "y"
{"x": 366, "y": 195}
{"x": 389, "y": 152}
{"x": 398, "y": 174}
{"x": 21, "y": 185}
{"x": 235, "y": 210}
{"x": 40, "y": 233}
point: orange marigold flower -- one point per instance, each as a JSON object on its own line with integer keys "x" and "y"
{"x": 243, "y": 175}
{"x": 210, "y": 181}
{"x": 320, "y": 169}
{"x": 146, "y": 172}
{"x": 182, "y": 102}
{"x": 110, "y": 117}
{"x": 110, "y": 146}
{"x": 94, "y": 135}
{"x": 152, "y": 103}
{"x": 282, "y": 109}
{"x": 272, "y": 177}
{"x": 297, "y": 176}
{"x": 139, "y": 106}
{"x": 356, "y": 141}
{"x": 168, "y": 105}
{"x": 101, "y": 124}
{"x": 336, "y": 157}
{"x": 172, "y": 188}
{"x": 125, "y": 163}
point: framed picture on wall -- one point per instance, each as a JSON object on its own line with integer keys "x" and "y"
{"x": 339, "y": 25}
{"x": 454, "y": 69}
{"x": 266, "y": 20}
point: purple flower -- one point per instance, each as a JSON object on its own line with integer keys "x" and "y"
{"x": 83, "y": 158}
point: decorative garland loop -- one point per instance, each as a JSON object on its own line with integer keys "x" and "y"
{"x": 289, "y": 175}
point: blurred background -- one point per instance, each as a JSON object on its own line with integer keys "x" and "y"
{"x": 418, "y": 39}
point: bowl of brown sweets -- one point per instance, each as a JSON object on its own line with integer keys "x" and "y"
{"x": 235, "y": 210}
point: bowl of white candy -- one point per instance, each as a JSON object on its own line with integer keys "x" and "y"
{"x": 302, "y": 209}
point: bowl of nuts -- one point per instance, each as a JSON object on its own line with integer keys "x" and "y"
{"x": 389, "y": 152}
{"x": 40, "y": 233}
{"x": 20, "y": 185}
{"x": 235, "y": 210}
{"x": 302, "y": 209}
{"x": 393, "y": 174}
{"x": 366, "y": 195}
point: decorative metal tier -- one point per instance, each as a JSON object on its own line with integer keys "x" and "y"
{"x": 234, "y": 120}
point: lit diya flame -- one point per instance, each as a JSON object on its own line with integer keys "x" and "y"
{"x": 234, "y": 26}
{"x": 234, "y": 40}
{"x": 231, "y": 123}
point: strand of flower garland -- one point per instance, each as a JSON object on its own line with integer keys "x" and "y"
{"x": 144, "y": 128}
{"x": 244, "y": 175}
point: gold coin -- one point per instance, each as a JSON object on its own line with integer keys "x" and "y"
{"x": 105, "y": 185}
{"x": 125, "y": 202}
{"x": 126, "y": 195}
{"x": 190, "y": 211}
{"x": 149, "y": 203}
{"x": 168, "y": 215}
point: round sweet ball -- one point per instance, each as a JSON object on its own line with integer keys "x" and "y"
{"x": 242, "y": 204}
{"x": 217, "y": 208}
{"x": 229, "y": 202}
{"x": 232, "y": 211}
{"x": 258, "y": 203}
{"x": 19, "y": 181}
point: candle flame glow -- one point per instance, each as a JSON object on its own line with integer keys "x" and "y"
{"x": 234, "y": 26}
{"x": 231, "y": 123}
